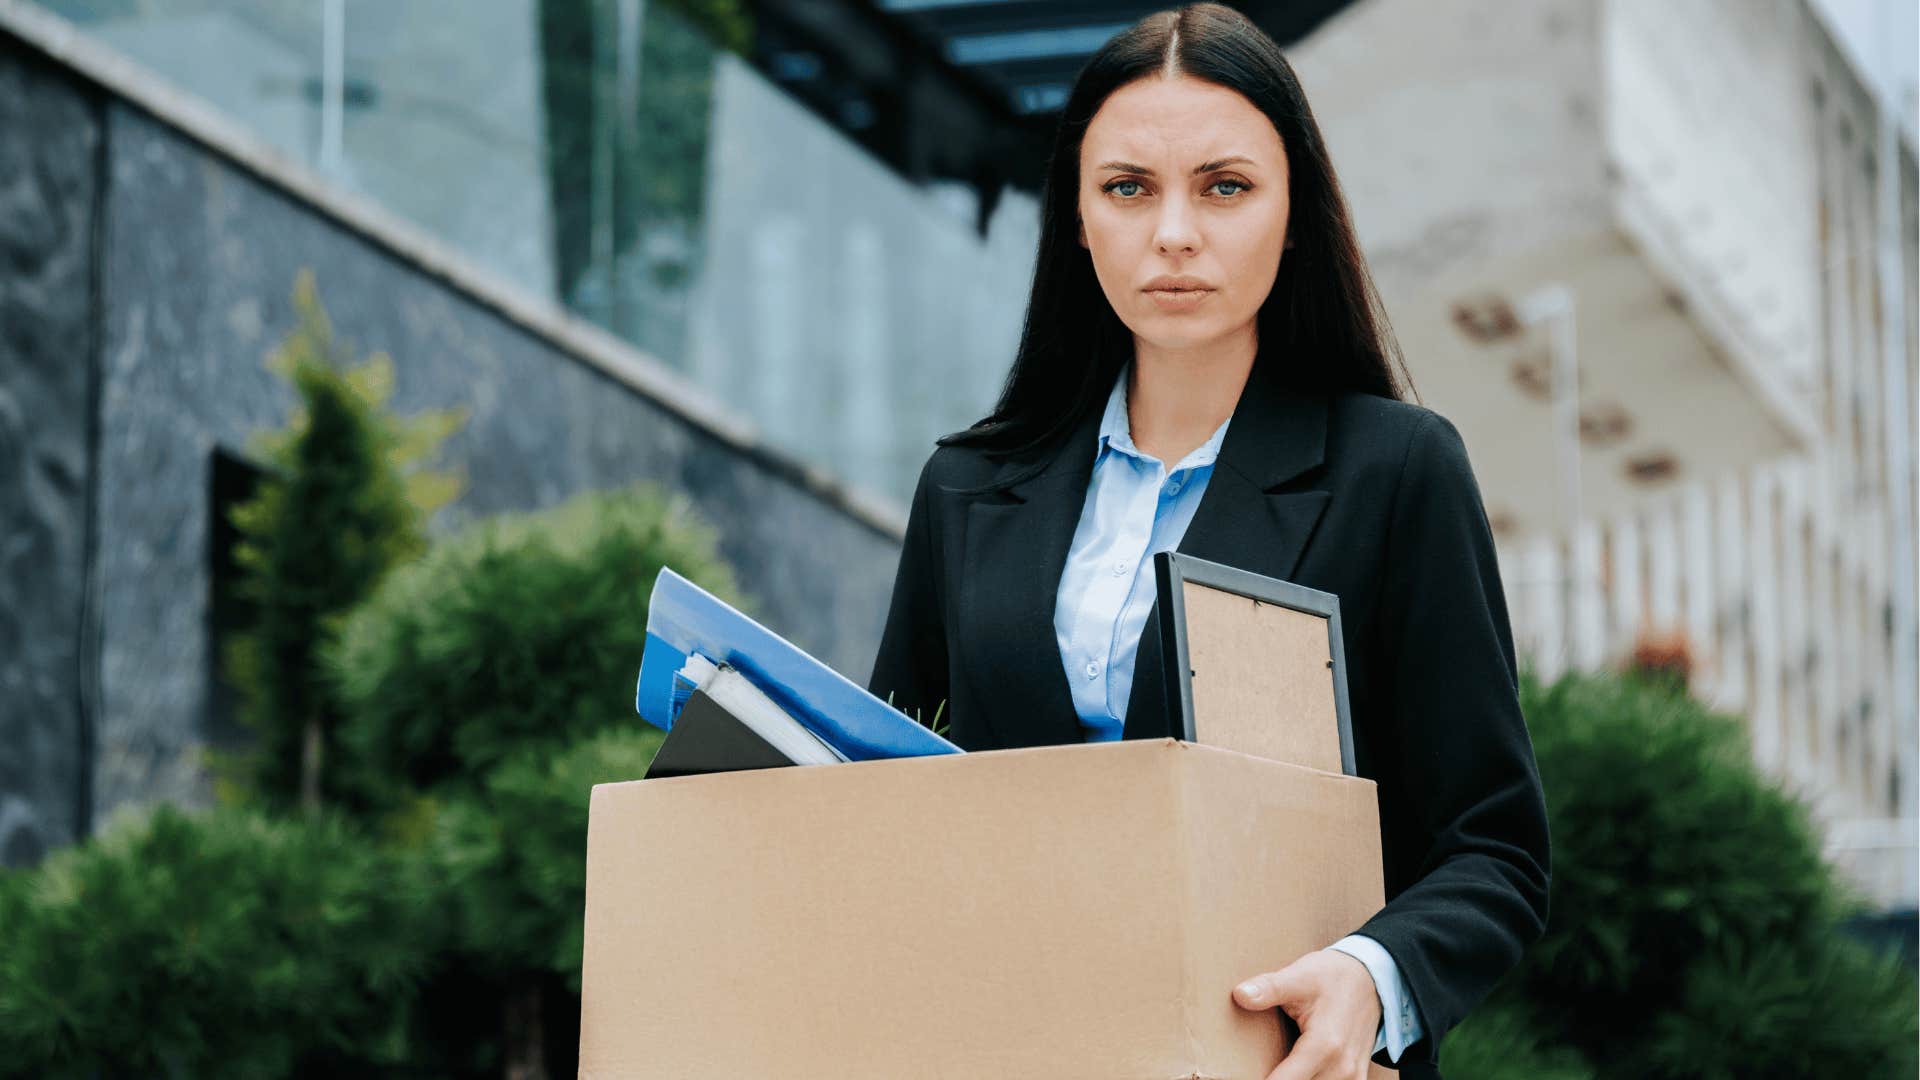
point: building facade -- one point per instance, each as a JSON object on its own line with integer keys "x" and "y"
{"x": 1658, "y": 261}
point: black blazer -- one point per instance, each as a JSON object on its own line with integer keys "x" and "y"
{"x": 1367, "y": 498}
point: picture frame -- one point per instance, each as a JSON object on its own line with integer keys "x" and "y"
{"x": 1174, "y": 571}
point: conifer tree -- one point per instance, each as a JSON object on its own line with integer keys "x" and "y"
{"x": 344, "y": 499}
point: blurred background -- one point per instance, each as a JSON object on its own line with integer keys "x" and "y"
{"x": 1657, "y": 260}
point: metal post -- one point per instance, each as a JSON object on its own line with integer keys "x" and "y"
{"x": 624, "y": 169}
{"x": 1554, "y": 304}
{"x": 1902, "y": 491}
{"x": 333, "y": 80}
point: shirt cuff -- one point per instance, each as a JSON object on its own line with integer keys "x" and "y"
{"x": 1400, "y": 1025}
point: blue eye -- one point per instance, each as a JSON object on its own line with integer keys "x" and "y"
{"x": 1114, "y": 187}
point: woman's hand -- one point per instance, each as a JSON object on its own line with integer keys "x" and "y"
{"x": 1331, "y": 996}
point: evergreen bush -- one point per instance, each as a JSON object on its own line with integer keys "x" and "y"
{"x": 1668, "y": 841}
{"x": 1821, "y": 1006}
{"x": 1687, "y": 887}
{"x": 488, "y": 686}
{"x": 220, "y": 944}
{"x": 343, "y": 500}
{"x": 514, "y": 856}
{"x": 1501, "y": 1041}
{"x": 521, "y": 634}
{"x": 510, "y": 863}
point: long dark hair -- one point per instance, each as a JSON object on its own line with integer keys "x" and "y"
{"x": 1323, "y": 320}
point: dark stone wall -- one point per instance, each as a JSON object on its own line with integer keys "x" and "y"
{"x": 195, "y": 270}
{"x": 49, "y": 140}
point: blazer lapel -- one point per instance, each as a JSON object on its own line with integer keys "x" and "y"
{"x": 1258, "y": 513}
{"x": 1016, "y": 548}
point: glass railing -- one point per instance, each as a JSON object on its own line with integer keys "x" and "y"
{"x": 608, "y": 156}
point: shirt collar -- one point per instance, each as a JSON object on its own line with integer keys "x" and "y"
{"x": 1116, "y": 430}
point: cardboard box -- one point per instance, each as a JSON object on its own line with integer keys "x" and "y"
{"x": 1060, "y": 912}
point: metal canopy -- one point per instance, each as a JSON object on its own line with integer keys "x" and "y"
{"x": 1029, "y": 51}
{"x": 959, "y": 89}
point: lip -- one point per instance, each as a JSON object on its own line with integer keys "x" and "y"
{"x": 1177, "y": 283}
{"x": 1178, "y": 292}
{"x": 1180, "y": 299}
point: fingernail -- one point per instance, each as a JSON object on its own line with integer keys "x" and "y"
{"x": 1250, "y": 991}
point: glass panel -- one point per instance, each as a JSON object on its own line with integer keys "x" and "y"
{"x": 608, "y": 156}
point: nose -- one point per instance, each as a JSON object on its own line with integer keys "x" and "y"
{"x": 1175, "y": 230}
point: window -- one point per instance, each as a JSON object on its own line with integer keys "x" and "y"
{"x": 231, "y": 480}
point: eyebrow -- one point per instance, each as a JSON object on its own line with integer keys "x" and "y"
{"x": 1205, "y": 167}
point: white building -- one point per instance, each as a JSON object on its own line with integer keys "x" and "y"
{"x": 1687, "y": 232}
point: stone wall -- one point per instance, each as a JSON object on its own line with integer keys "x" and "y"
{"x": 49, "y": 139}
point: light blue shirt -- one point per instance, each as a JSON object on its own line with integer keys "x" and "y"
{"x": 1135, "y": 508}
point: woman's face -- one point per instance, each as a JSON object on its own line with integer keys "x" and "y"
{"x": 1183, "y": 178}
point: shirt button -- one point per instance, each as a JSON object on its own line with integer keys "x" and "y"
{"x": 1093, "y": 668}
{"x": 1120, "y": 568}
{"x": 1173, "y": 486}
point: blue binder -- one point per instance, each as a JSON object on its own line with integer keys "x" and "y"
{"x": 683, "y": 618}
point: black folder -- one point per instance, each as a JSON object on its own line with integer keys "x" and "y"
{"x": 706, "y": 738}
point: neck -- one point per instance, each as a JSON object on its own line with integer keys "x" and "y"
{"x": 1177, "y": 398}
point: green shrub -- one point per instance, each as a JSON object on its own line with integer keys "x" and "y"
{"x": 488, "y": 686}
{"x": 225, "y": 944}
{"x": 343, "y": 501}
{"x": 1504, "y": 1042}
{"x": 1687, "y": 887}
{"x": 1667, "y": 842}
{"x": 1783, "y": 1010}
{"x": 514, "y": 858}
{"x": 523, "y": 634}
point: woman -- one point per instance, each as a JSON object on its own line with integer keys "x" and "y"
{"x": 1200, "y": 299}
